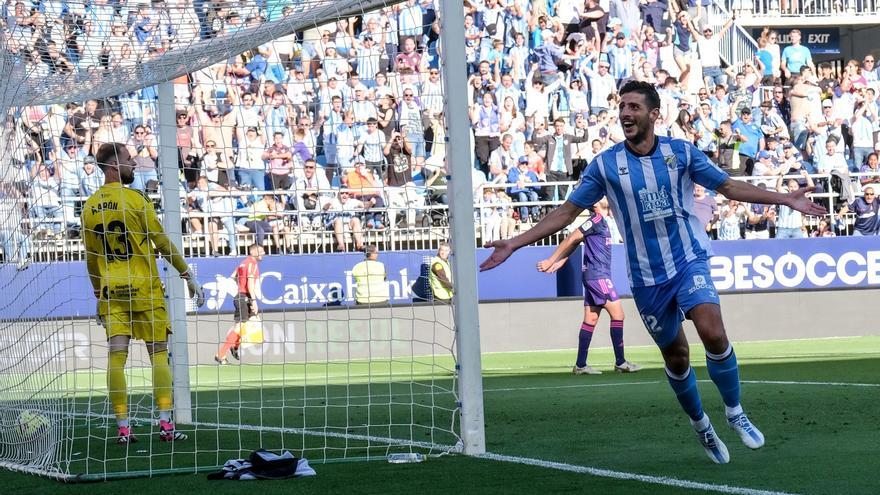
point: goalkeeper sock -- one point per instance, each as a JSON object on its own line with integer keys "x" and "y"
{"x": 232, "y": 340}
{"x": 685, "y": 387}
{"x": 617, "y": 341}
{"x": 725, "y": 374}
{"x": 584, "y": 339}
{"x": 162, "y": 383}
{"x": 116, "y": 386}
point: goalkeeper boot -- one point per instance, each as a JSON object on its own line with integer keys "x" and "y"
{"x": 714, "y": 447}
{"x": 751, "y": 436}
{"x": 220, "y": 361}
{"x": 124, "y": 436}
{"x": 627, "y": 367}
{"x": 585, "y": 370}
{"x": 234, "y": 353}
{"x": 167, "y": 433}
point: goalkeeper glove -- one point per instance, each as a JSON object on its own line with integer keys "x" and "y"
{"x": 195, "y": 290}
{"x": 99, "y": 316}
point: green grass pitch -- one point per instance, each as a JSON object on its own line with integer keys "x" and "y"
{"x": 817, "y": 402}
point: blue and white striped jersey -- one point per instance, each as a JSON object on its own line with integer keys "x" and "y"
{"x": 652, "y": 198}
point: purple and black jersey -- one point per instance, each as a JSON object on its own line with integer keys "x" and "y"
{"x": 597, "y": 248}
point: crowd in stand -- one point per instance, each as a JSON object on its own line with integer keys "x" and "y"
{"x": 341, "y": 127}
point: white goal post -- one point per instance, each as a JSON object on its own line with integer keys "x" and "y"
{"x": 329, "y": 379}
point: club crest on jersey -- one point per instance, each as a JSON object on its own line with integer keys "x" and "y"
{"x": 656, "y": 205}
{"x": 671, "y": 162}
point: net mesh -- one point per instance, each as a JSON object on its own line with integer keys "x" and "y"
{"x": 318, "y": 375}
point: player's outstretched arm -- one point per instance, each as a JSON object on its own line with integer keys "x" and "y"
{"x": 561, "y": 253}
{"x": 797, "y": 200}
{"x": 552, "y": 223}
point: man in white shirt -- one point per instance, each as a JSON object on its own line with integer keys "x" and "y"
{"x": 602, "y": 84}
{"x": 501, "y": 159}
{"x": 708, "y": 44}
{"x": 831, "y": 160}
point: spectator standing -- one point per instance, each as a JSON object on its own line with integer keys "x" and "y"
{"x": 558, "y": 156}
{"x": 280, "y": 161}
{"x": 789, "y": 222}
{"x": 91, "y": 177}
{"x": 400, "y": 189}
{"x": 751, "y": 140}
{"x": 730, "y": 221}
{"x": 621, "y": 57}
{"x": 371, "y": 281}
{"x": 795, "y": 55}
{"x": 45, "y": 204}
{"x": 705, "y": 208}
{"x": 487, "y": 128}
{"x": 502, "y": 160}
{"x": 771, "y": 122}
{"x": 142, "y": 147}
{"x": 372, "y": 146}
{"x": 866, "y": 211}
{"x": 15, "y": 244}
{"x": 766, "y": 167}
{"x": 829, "y": 159}
{"x": 758, "y": 220}
{"x": 249, "y": 164}
{"x": 862, "y": 125}
{"x": 602, "y": 84}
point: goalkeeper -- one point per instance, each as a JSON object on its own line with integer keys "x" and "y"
{"x": 122, "y": 236}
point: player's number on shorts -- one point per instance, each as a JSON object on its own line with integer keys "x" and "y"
{"x": 117, "y": 245}
{"x": 651, "y": 324}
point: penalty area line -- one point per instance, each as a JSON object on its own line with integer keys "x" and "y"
{"x": 622, "y": 475}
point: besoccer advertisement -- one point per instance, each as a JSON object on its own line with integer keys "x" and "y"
{"x": 325, "y": 280}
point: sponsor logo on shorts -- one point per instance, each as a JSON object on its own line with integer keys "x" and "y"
{"x": 700, "y": 283}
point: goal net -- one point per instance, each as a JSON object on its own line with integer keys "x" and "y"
{"x": 312, "y": 129}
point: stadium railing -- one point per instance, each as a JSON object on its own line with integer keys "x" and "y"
{"x": 424, "y": 236}
{"x": 806, "y": 8}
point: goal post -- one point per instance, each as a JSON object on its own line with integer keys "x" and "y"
{"x": 463, "y": 237}
{"x": 171, "y": 221}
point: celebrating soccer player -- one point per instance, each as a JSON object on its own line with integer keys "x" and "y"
{"x": 599, "y": 292}
{"x": 247, "y": 275}
{"x": 122, "y": 235}
{"x": 649, "y": 182}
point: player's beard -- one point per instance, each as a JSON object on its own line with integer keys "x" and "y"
{"x": 127, "y": 177}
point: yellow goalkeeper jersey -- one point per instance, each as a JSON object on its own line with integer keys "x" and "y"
{"x": 122, "y": 235}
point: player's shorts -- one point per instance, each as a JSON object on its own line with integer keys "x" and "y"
{"x": 599, "y": 292}
{"x": 663, "y": 307}
{"x": 152, "y": 325}
{"x": 242, "y": 306}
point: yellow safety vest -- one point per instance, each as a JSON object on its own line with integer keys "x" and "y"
{"x": 369, "y": 275}
{"x": 440, "y": 292}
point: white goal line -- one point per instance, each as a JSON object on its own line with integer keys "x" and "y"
{"x": 623, "y": 475}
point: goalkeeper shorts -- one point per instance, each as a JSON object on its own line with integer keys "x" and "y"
{"x": 152, "y": 325}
